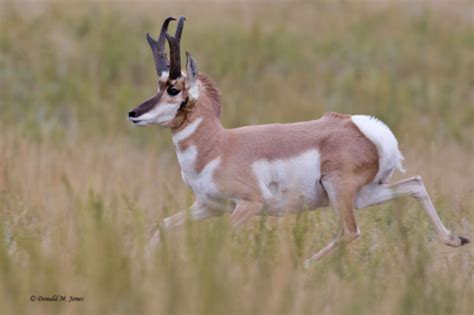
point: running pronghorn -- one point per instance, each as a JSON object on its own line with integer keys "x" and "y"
{"x": 338, "y": 160}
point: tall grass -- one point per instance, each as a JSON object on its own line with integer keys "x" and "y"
{"x": 80, "y": 190}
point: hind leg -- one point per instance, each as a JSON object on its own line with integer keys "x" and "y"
{"x": 411, "y": 187}
{"x": 341, "y": 198}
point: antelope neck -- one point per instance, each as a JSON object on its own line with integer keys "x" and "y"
{"x": 200, "y": 131}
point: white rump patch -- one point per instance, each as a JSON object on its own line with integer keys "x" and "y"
{"x": 187, "y": 131}
{"x": 290, "y": 182}
{"x": 390, "y": 158}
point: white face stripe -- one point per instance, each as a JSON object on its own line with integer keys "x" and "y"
{"x": 160, "y": 114}
{"x": 187, "y": 131}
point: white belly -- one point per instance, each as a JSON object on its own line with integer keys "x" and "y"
{"x": 290, "y": 185}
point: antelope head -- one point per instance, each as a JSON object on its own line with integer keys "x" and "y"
{"x": 176, "y": 91}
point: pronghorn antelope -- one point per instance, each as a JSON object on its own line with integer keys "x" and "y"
{"x": 338, "y": 160}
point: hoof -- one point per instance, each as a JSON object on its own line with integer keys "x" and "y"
{"x": 464, "y": 240}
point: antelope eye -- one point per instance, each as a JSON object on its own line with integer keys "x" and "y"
{"x": 172, "y": 91}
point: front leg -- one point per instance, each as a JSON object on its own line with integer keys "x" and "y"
{"x": 341, "y": 197}
{"x": 244, "y": 211}
{"x": 198, "y": 211}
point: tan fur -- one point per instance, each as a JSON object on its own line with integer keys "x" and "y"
{"x": 238, "y": 169}
{"x": 348, "y": 165}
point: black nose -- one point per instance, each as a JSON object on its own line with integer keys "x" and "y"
{"x": 132, "y": 114}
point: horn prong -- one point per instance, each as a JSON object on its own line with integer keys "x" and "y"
{"x": 179, "y": 28}
{"x": 164, "y": 29}
{"x": 175, "y": 60}
{"x": 158, "y": 48}
{"x": 175, "y": 55}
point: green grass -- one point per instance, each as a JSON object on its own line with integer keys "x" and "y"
{"x": 80, "y": 189}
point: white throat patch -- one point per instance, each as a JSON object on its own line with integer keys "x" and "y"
{"x": 187, "y": 131}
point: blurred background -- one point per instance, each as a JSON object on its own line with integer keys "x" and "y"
{"x": 80, "y": 189}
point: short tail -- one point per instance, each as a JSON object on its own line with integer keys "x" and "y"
{"x": 390, "y": 157}
{"x": 400, "y": 160}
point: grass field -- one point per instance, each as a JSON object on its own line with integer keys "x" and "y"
{"x": 80, "y": 189}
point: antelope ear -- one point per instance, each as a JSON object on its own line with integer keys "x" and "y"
{"x": 191, "y": 76}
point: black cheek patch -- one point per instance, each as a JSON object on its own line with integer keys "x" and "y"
{"x": 183, "y": 104}
{"x": 147, "y": 105}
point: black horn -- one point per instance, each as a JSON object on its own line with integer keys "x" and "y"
{"x": 175, "y": 55}
{"x": 158, "y": 48}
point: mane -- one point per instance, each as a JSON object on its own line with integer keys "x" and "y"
{"x": 211, "y": 92}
